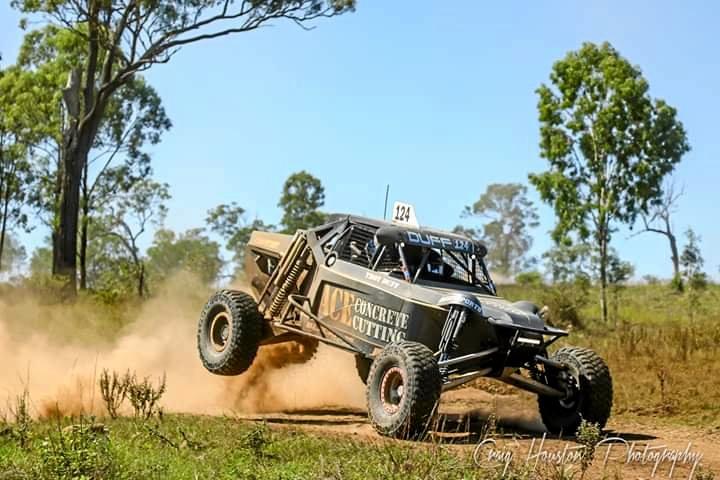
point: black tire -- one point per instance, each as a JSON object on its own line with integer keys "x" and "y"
{"x": 403, "y": 388}
{"x": 362, "y": 365}
{"x": 592, "y": 395}
{"x": 229, "y": 332}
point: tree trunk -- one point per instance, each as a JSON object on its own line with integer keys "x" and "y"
{"x": 82, "y": 254}
{"x": 77, "y": 141}
{"x": 74, "y": 158}
{"x": 603, "y": 240}
{"x": 57, "y": 192}
{"x": 3, "y": 228}
{"x": 54, "y": 238}
{"x": 3, "y": 185}
{"x": 673, "y": 250}
{"x": 141, "y": 280}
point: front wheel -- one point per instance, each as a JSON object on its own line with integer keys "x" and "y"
{"x": 229, "y": 332}
{"x": 403, "y": 388}
{"x": 589, "y": 393}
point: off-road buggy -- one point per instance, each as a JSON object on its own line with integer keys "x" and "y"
{"x": 418, "y": 309}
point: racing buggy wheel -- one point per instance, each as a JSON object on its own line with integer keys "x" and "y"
{"x": 403, "y": 388}
{"x": 229, "y": 332}
{"x": 588, "y": 388}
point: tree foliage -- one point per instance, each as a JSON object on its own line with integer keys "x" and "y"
{"x": 569, "y": 262}
{"x": 16, "y": 173}
{"x": 229, "y": 221}
{"x": 569, "y": 266}
{"x": 619, "y": 271}
{"x": 114, "y": 273}
{"x": 609, "y": 146}
{"x": 121, "y": 38}
{"x": 190, "y": 251}
{"x": 41, "y": 261}
{"x": 13, "y": 255}
{"x": 692, "y": 261}
{"x": 128, "y": 218}
{"x": 302, "y": 196}
{"x": 134, "y": 118}
{"x": 693, "y": 280}
{"x": 509, "y": 216}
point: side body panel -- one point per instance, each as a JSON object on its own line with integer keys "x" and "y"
{"x": 377, "y": 309}
{"x": 372, "y": 314}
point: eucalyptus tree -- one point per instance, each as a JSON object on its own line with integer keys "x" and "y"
{"x": 608, "y": 144}
{"x": 122, "y": 38}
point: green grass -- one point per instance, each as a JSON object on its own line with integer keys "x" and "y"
{"x": 190, "y": 447}
{"x": 196, "y": 447}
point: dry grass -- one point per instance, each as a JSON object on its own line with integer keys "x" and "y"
{"x": 665, "y": 358}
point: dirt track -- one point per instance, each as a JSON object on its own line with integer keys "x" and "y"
{"x": 464, "y": 412}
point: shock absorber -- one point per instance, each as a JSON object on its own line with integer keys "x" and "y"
{"x": 451, "y": 329}
{"x": 287, "y": 286}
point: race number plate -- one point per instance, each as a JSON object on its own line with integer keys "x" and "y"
{"x": 404, "y": 213}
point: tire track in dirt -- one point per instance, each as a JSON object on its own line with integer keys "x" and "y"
{"x": 464, "y": 413}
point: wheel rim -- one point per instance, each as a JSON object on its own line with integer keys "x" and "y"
{"x": 392, "y": 390}
{"x": 219, "y": 333}
{"x": 569, "y": 383}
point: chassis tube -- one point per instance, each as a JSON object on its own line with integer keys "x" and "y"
{"x": 464, "y": 378}
{"x": 471, "y": 356}
{"x": 532, "y": 385}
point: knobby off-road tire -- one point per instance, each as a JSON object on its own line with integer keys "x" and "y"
{"x": 591, "y": 402}
{"x": 229, "y": 332}
{"x": 403, "y": 389}
{"x": 362, "y": 365}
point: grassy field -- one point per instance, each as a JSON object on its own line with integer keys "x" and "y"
{"x": 190, "y": 447}
{"x": 199, "y": 447}
{"x": 662, "y": 348}
{"x": 663, "y": 355}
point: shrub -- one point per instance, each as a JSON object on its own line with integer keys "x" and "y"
{"x": 564, "y": 301}
{"x": 22, "y": 421}
{"x": 144, "y": 396}
{"x": 588, "y": 435}
{"x": 529, "y": 279}
{"x": 114, "y": 390}
{"x": 676, "y": 284}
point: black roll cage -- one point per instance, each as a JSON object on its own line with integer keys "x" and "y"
{"x": 340, "y": 239}
{"x": 413, "y": 278}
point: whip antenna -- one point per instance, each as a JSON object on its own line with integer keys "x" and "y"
{"x": 387, "y": 192}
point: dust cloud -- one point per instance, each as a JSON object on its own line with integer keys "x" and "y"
{"x": 279, "y": 381}
{"x": 57, "y": 352}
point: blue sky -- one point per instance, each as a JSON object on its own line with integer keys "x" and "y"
{"x": 435, "y": 98}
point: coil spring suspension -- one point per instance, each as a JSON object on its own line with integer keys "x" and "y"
{"x": 286, "y": 287}
{"x": 451, "y": 329}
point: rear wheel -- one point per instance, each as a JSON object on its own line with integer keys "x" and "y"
{"x": 403, "y": 388}
{"x": 588, "y": 386}
{"x": 229, "y": 332}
